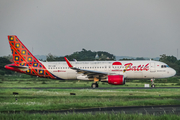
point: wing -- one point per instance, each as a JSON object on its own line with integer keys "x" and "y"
{"x": 89, "y": 73}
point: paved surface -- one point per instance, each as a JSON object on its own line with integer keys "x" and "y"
{"x": 89, "y": 88}
{"x": 155, "y": 110}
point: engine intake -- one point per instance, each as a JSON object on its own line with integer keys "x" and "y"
{"x": 116, "y": 79}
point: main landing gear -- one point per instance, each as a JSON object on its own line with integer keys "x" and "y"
{"x": 95, "y": 85}
{"x": 152, "y": 83}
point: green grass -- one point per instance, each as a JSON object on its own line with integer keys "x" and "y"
{"x": 22, "y": 80}
{"x": 59, "y": 99}
{"x": 87, "y": 116}
{"x": 75, "y": 83}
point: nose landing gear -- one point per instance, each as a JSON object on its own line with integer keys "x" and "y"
{"x": 152, "y": 83}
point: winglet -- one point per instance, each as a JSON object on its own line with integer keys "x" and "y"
{"x": 69, "y": 64}
{"x": 125, "y": 68}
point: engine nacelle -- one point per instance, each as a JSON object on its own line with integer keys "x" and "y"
{"x": 116, "y": 79}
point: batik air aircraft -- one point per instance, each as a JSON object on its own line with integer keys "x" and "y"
{"x": 112, "y": 72}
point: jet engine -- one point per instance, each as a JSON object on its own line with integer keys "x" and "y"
{"x": 116, "y": 79}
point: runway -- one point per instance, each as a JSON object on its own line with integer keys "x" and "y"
{"x": 155, "y": 110}
{"x": 89, "y": 88}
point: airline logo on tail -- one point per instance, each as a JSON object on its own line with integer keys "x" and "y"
{"x": 24, "y": 61}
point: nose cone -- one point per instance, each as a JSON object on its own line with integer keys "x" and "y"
{"x": 173, "y": 72}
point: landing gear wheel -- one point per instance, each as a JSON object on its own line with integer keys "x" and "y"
{"x": 153, "y": 86}
{"x": 97, "y": 85}
{"x": 94, "y": 85}
{"x": 152, "y": 83}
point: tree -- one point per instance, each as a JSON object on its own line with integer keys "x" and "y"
{"x": 50, "y": 57}
{"x": 84, "y": 55}
{"x": 4, "y": 61}
{"x": 140, "y": 58}
{"x": 172, "y": 62}
{"x": 125, "y": 59}
{"x": 169, "y": 59}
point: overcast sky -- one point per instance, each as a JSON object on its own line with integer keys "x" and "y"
{"x": 146, "y": 28}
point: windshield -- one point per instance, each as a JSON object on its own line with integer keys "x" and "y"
{"x": 164, "y": 66}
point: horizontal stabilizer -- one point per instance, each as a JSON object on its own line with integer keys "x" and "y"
{"x": 23, "y": 68}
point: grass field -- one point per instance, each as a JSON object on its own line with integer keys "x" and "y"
{"x": 88, "y": 116}
{"x": 29, "y": 81}
{"x": 60, "y": 99}
{"x": 75, "y": 83}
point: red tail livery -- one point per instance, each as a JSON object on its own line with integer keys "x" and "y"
{"x": 24, "y": 61}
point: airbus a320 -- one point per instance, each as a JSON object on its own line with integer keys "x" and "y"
{"x": 112, "y": 72}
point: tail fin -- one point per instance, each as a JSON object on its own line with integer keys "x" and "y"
{"x": 24, "y": 61}
{"x": 21, "y": 54}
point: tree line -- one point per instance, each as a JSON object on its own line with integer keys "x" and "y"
{"x": 84, "y": 55}
{"x": 88, "y": 55}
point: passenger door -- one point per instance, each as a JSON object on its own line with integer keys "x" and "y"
{"x": 152, "y": 67}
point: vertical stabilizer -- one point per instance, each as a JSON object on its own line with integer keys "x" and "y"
{"x": 21, "y": 54}
{"x": 24, "y": 61}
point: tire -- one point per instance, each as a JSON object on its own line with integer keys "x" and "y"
{"x": 94, "y": 85}
{"x": 97, "y": 85}
{"x": 153, "y": 86}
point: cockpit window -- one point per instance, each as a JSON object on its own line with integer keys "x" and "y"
{"x": 164, "y": 66}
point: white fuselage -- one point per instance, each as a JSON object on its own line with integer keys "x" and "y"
{"x": 136, "y": 69}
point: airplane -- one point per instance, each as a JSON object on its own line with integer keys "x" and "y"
{"x": 112, "y": 72}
